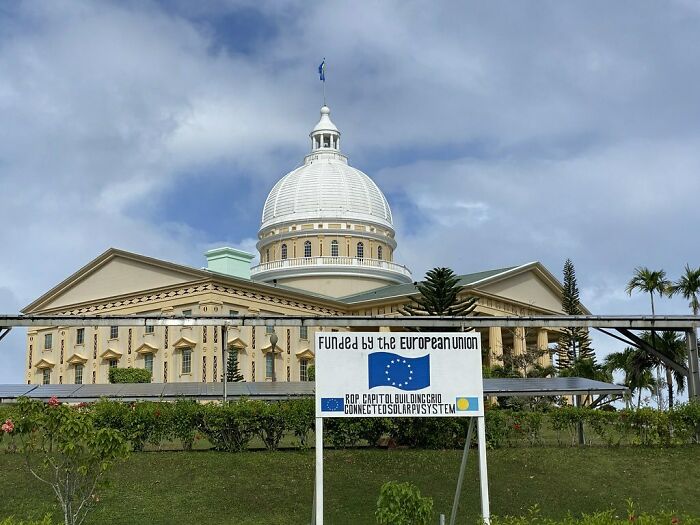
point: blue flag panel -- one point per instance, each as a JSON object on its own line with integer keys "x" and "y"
{"x": 332, "y": 404}
{"x": 404, "y": 373}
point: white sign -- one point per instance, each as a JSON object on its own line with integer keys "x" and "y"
{"x": 376, "y": 374}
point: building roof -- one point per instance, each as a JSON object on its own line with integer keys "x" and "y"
{"x": 402, "y": 290}
{"x": 326, "y": 187}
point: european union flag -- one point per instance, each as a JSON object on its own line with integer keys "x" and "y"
{"x": 322, "y": 70}
{"x": 404, "y": 373}
{"x": 332, "y": 404}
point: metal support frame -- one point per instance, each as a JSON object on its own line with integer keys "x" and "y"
{"x": 224, "y": 353}
{"x": 691, "y": 338}
{"x": 4, "y": 332}
{"x": 462, "y": 468}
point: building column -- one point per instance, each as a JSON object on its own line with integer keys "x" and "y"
{"x": 543, "y": 344}
{"x": 519, "y": 341}
{"x": 495, "y": 346}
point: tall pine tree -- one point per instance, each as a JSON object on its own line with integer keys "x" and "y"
{"x": 233, "y": 374}
{"x": 439, "y": 296}
{"x": 575, "y": 342}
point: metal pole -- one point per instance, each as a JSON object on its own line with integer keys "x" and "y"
{"x": 462, "y": 468}
{"x": 319, "y": 471}
{"x": 224, "y": 348}
{"x": 483, "y": 474}
{"x": 313, "y": 506}
{"x": 693, "y": 365}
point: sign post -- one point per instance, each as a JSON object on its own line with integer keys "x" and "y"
{"x": 377, "y": 374}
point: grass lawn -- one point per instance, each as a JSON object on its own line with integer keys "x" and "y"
{"x": 272, "y": 488}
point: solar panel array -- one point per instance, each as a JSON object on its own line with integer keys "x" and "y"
{"x": 555, "y": 386}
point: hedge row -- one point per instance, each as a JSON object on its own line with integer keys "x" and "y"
{"x": 232, "y": 426}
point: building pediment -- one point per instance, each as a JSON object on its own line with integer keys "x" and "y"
{"x": 44, "y": 364}
{"x": 111, "y": 353}
{"x": 184, "y": 342}
{"x": 114, "y": 273}
{"x": 268, "y": 348}
{"x": 238, "y": 343}
{"x": 530, "y": 284}
{"x": 77, "y": 359}
{"x": 146, "y": 348}
{"x": 305, "y": 353}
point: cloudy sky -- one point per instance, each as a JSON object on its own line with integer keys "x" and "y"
{"x": 501, "y": 132}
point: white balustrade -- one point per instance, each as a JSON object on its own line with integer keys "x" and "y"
{"x": 327, "y": 261}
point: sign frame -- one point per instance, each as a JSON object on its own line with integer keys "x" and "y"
{"x": 353, "y": 349}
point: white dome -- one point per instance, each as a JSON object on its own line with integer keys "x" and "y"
{"x": 325, "y": 187}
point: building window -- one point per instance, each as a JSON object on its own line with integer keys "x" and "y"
{"x": 148, "y": 363}
{"x": 303, "y": 370}
{"x": 113, "y": 363}
{"x": 360, "y": 250}
{"x": 187, "y": 313}
{"x": 267, "y": 254}
{"x": 380, "y": 253}
{"x": 113, "y": 332}
{"x": 303, "y": 332}
{"x": 187, "y": 361}
{"x": 48, "y": 341}
{"x": 269, "y": 329}
{"x": 232, "y": 313}
{"x": 78, "y": 374}
{"x": 46, "y": 376}
{"x": 269, "y": 365}
{"x": 150, "y": 328}
{"x": 334, "y": 248}
{"x": 80, "y": 336}
{"x": 284, "y": 251}
{"x": 307, "y": 248}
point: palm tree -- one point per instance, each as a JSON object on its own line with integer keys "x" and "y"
{"x": 671, "y": 345}
{"x": 689, "y": 287}
{"x": 636, "y": 365}
{"x": 650, "y": 281}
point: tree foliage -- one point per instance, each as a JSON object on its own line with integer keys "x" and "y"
{"x": 575, "y": 342}
{"x": 64, "y": 448}
{"x": 689, "y": 287}
{"x": 439, "y": 296}
{"x": 233, "y": 372}
{"x": 402, "y": 504}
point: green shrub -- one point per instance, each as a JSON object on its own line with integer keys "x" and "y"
{"x": 231, "y": 426}
{"x": 344, "y": 431}
{"x": 300, "y": 418}
{"x": 270, "y": 423}
{"x": 432, "y": 433}
{"x": 402, "y": 504}
{"x": 129, "y": 375}
{"x": 182, "y": 421}
{"x": 499, "y": 429}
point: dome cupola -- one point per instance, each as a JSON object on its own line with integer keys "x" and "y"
{"x": 326, "y": 226}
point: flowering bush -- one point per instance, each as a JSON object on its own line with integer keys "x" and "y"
{"x": 8, "y": 426}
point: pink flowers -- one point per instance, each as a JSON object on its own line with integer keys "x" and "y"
{"x": 54, "y": 402}
{"x": 8, "y": 426}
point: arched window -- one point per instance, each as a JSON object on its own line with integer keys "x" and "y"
{"x": 380, "y": 254}
{"x": 334, "y": 248}
{"x": 360, "y": 250}
{"x": 307, "y": 249}
{"x": 284, "y": 251}
{"x": 267, "y": 254}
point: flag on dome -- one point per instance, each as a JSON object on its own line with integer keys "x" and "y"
{"x": 322, "y": 71}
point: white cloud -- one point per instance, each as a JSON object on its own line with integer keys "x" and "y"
{"x": 538, "y": 131}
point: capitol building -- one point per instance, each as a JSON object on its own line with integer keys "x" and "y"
{"x": 326, "y": 246}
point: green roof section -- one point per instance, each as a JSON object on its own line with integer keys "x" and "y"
{"x": 403, "y": 290}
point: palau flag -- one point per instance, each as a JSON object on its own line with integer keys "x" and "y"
{"x": 404, "y": 373}
{"x": 467, "y": 404}
{"x": 332, "y": 404}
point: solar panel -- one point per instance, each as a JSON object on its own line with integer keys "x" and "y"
{"x": 12, "y": 391}
{"x": 551, "y": 386}
{"x": 47, "y": 391}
